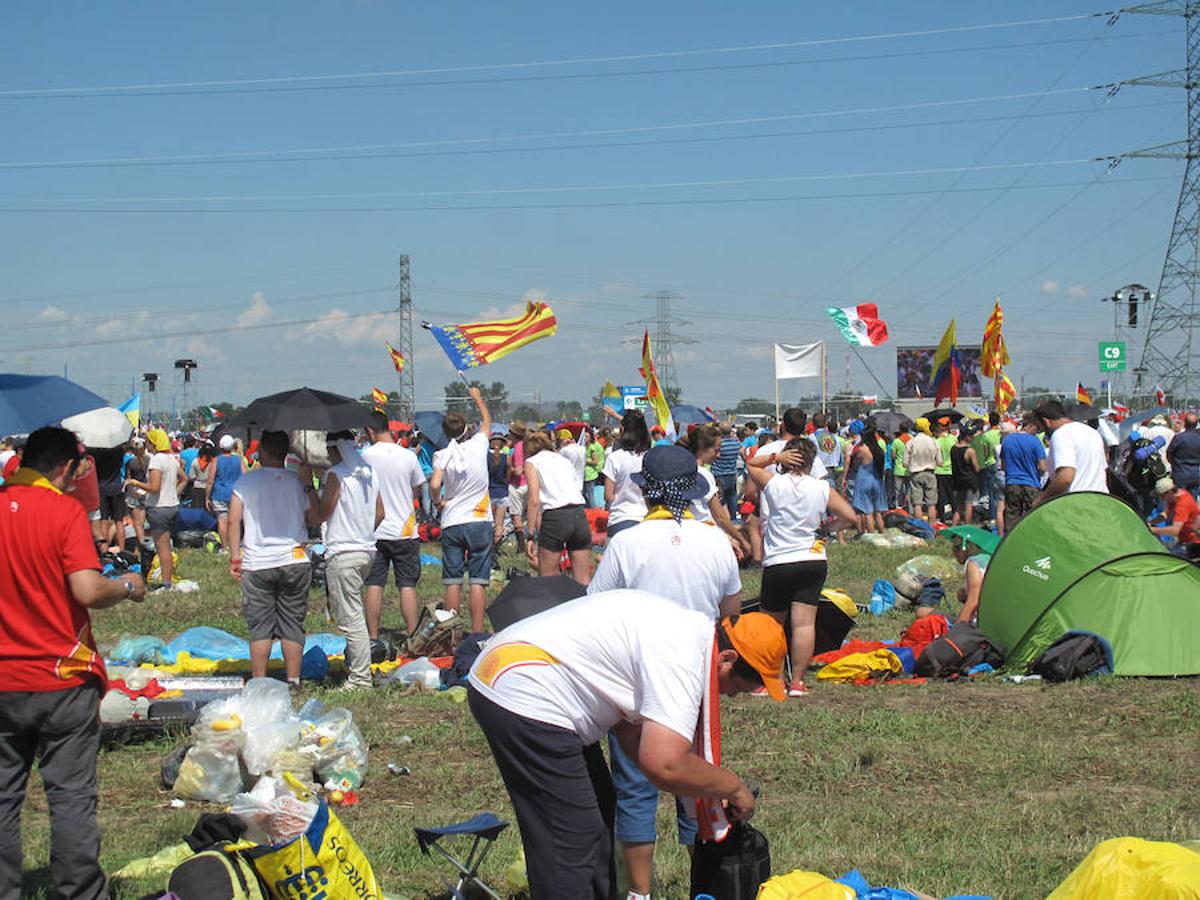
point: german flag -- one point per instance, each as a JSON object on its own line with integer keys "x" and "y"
{"x": 1081, "y": 394}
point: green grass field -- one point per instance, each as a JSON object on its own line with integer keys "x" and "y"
{"x": 982, "y": 787}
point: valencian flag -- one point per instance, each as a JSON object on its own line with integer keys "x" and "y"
{"x": 860, "y": 325}
{"x": 654, "y": 394}
{"x": 946, "y": 374}
{"x": 379, "y": 398}
{"x": 1081, "y": 394}
{"x": 479, "y": 343}
{"x": 397, "y": 358}
{"x": 994, "y": 354}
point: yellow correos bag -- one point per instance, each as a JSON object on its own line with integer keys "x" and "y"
{"x": 1129, "y": 868}
{"x": 872, "y": 664}
{"x": 324, "y": 862}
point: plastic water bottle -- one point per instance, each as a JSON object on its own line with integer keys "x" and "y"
{"x": 877, "y": 605}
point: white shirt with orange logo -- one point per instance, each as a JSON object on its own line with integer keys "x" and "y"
{"x": 464, "y": 481}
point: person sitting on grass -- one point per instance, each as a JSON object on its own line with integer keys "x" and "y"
{"x": 973, "y": 549}
{"x": 270, "y": 560}
{"x": 794, "y": 565}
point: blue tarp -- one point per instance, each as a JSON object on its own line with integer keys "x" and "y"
{"x": 205, "y": 642}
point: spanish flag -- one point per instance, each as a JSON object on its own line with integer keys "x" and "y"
{"x": 479, "y": 343}
{"x": 1081, "y": 394}
{"x": 397, "y": 359}
{"x": 379, "y": 397}
{"x": 654, "y": 394}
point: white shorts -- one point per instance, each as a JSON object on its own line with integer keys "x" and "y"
{"x": 516, "y": 500}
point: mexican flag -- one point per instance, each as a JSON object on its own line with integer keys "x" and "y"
{"x": 860, "y": 325}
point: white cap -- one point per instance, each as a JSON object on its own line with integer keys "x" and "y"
{"x": 227, "y": 442}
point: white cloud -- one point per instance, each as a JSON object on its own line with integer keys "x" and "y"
{"x": 118, "y": 328}
{"x": 1077, "y": 291}
{"x": 1050, "y": 286}
{"x": 347, "y": 330}
{"x": 257, "y": 313}
{"x": 53, "y": 314}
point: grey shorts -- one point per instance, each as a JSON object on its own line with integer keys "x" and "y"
{"x": 516, "y": 501}
{"x": 161, "y": 519}
{"x": 275, "y": 602}
{"x": 220, "y": 508}
{"x": 401, "y": 556}
{"x": 923, "y": 489}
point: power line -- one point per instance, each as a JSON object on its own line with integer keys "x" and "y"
{"x": 238, "y": 155}
{"x": 578, "y": 76}
{"x": 559, "y": 189}
{"x": 614, "y": 204}
{"x": 534, "y": 64}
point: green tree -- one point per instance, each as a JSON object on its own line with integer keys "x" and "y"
{"x": 569, "y": 409}
{"x": 495, "y": 395}
{"x": 672, "y": 394}
{"x": 526, "y": 413}
{"x": 391, "y": 408}
{"x": 753, "y": 406}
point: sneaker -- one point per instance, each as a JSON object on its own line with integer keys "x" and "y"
{"x": 759, "y": 692}
{"x": 797, "y": 689}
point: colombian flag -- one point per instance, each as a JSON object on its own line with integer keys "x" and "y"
{"x": 946, "y": 375}
{"x": 479, "y": 343}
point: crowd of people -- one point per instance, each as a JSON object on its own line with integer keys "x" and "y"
{"x": 680, "y": 519}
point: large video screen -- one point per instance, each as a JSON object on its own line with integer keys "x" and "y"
{"x": 914, "y": 372}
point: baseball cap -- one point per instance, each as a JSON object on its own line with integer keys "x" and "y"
{"x": 669, "y": 463}
{"x": 760, "y": 641}
{"x": 227, "y": 442}
{"x": 1164, "y": 485}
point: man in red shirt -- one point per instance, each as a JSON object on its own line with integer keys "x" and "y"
{"x": 51, "y": 675}
{"x": 1184, "y": 516}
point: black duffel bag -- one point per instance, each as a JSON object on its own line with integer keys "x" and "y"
{"x": 734, "y": 868}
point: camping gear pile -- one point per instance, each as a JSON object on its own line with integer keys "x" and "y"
{"x": 257, "y": 733}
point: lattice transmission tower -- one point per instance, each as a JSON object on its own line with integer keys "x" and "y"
{"x": 408, "y": 391}
{"x": 664, "y": 339}
{"x": 1171, "y": 352}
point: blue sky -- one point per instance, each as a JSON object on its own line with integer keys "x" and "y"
{"x": 762, "y": 184}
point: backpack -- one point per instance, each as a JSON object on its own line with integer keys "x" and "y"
{"x": 733, "y": 869}
{"x": 1077, "y": 654}
{"x": 216, "y": 875}
{"x": 958, "y": 652}
{"x": 916, "y": 527}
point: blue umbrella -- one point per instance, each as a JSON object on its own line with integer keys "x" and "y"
{"x": 27, "y": 402}
{"x": 430, "y": 425}
{"x": 687, "y": 414}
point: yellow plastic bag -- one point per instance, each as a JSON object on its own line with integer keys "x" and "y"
{"x": 156, "y": 567}
{"x": 324, "y": 862}
{"x": 807, "y": 885}
{"x": 1129, "y": 868}
{"x": 875, "y": 664}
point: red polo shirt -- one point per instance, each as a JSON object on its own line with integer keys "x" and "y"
{"x": 46, "y": 641}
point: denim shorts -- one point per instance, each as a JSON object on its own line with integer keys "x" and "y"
{"x": 467, "y": 548}
{"x": 637, "y": 803}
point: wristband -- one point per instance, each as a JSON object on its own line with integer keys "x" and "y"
{"x": 128, "y": 587}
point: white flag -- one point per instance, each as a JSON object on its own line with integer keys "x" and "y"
{"x": 798, "y": 360}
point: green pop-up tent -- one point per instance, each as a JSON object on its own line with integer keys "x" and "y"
{"x": 1087, "y": 562}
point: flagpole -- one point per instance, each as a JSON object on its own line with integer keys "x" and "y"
{"x": 824, "y": 370}
{"x": 874, "y": 377}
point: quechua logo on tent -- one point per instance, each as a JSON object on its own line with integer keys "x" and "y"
{"x": 1040, "y": 568}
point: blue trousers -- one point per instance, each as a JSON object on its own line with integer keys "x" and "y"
{"x": 637, "y": 802}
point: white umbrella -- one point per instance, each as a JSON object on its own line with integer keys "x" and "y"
{"x": 100, "y": 428}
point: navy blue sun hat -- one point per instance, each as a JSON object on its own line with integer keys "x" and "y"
{"x": 671, "y": 468}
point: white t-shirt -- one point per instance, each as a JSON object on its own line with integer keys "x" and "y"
{"x": 628, "y": 504}
{"x": 576, "y": 456}
{"x": 558, "y": 485}
{"x": 797, "y": 504}
{"x": 687, "y": 562}
{"x": 273, "y": 519}
{"x": 352, "y": 525}
{"x": 399, "y": 475}
{"x": 818, "y": 470}
{"x": 465, "y": 481}
{"x": 700, "y": 508}
{"x": 167, "y": 495}
{"x": 590, "y": 663}
{"x": 1081, "y": 448}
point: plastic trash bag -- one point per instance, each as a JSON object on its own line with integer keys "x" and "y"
{"x": 335, "y": 746}
{"x": 272, "y": 812}
{"x": 268, "y": 724}
{"x": 912, "y": 574}
{"x": 208, "y": 773}
{"x": 220, "y": 726}
{"x": 136, "y": 650}
{"x": 419, "y": 671}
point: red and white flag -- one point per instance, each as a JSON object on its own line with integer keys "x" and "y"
{"x": 1160, "y": 396}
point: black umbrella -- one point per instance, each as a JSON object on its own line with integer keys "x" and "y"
{"x": 238, "y": 432}
{"x": 948, "y": 413}
{"x": 303, "y": 409}
{"x": 1081, "y": 412}
{"x": 888, "y": 422}
{"x": 528, "y": 595}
